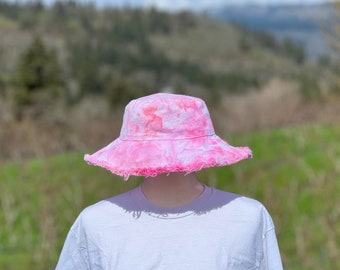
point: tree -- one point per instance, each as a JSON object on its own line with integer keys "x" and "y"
{"x": 294, "y": 51}
{"x": 332, "y": 33}
{"x": 332, "y": 27}
{"x": 37, "y": 70}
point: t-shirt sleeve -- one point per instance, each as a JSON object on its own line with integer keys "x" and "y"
{"x": 74, "y": 252}
{"x": 271, "y": 259}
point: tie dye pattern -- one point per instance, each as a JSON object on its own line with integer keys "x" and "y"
{"x": 165, "y": 133}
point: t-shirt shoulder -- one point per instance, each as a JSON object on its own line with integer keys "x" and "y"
{"x": 109, "y": 206}
{"x": 240, "y": 200}
{"x": 246, "y": 206}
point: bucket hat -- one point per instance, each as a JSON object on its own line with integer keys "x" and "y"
{"x": 164, "y": 133}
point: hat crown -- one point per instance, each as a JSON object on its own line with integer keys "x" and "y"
{"x": 166, "y": 116}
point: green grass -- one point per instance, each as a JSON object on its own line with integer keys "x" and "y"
{"x": 294, "y": 172}
{"x": 40, "y": 199}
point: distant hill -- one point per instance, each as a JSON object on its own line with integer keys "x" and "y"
{"x": 301, "y": 23}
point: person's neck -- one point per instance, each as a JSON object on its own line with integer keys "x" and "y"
{"x": 172, "y": 190}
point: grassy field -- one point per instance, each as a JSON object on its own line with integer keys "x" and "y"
{"x": 295, "y": 172}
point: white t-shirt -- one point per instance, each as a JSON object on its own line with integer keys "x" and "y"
{"x": 218, "y": 230}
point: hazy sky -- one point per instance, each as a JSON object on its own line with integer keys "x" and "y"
{"x": 187, "y": 4}
{"x": 200, "y": 4}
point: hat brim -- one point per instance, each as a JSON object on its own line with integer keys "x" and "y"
{"x": 152, "y": 157}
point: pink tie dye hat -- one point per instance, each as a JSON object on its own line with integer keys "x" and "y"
{"x": 163, "y": 133}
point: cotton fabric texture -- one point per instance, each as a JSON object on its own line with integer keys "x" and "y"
{"x": 217, "y": 231}
{"x": 163, "y": 133}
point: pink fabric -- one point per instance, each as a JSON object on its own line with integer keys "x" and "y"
{"x": 164, "y": 133}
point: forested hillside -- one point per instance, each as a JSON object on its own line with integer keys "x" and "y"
{"x": 67, "y": 64}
